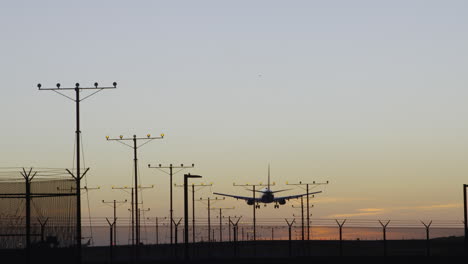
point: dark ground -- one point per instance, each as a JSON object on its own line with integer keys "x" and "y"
{"x": 401, "y": 251}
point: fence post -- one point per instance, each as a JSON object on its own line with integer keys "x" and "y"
{"x": 111, "y": 239}
{"x": 340, "y": 225}
{"x": 384, "y": 227}
{"x": 428, "y": 245}
{"x": 289, "y": 231}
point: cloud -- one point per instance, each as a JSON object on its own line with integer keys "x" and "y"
{"x": 378, "y": 211}
{"x": 361, "y": 212}
{"x": 431, "y": 207}
{"x": 328, "y": 200}
{"x": 371, "y": 210}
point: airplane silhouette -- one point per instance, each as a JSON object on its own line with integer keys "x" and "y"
{"x": 267, "y": 195}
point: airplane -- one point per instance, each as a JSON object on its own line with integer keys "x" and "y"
{"x": 267, "y": 196}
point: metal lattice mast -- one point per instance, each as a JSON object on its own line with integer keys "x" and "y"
{"x": 78, "y": 175}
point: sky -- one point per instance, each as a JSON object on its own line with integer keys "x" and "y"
{"x": 368, "y": 95}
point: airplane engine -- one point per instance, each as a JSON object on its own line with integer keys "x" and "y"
{"x": 282, "y": 202}
{"x": 250, "y": 202}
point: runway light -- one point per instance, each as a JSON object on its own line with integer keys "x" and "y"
{"x": 107, "y": 137}
{"x": 96, "y": 84}
{"x": 77, "y": 85}
{"x": 121, "y": 136}
{"x": 149, "y": 135}
{"x": 58, "y": 85}
{"x": 162, "y": 135}
{"x": 181, "y": 165}
{"x": 39, "y": 85}
{"x": 115, "y": 84}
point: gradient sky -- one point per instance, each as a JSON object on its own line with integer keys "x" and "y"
{"x": 369, "y": 95}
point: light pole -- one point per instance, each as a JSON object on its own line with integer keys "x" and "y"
{"x": 171, "y": 211}
{"x": 114, "y": 227}
{"x": 201, "y": 186}
{"x": 254, "y": 203}
{"x": 209, "y": 217}
{"x": 186, "y": 176}
{"x": 146, "y": 140}
{"x": 300, "y": 184}
{"x": 77, "y": 175}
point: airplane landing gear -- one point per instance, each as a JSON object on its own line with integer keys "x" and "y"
{"x": 276, "y": 206}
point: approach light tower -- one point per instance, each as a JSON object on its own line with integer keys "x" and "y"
{"x": 301, "y": 184}
{"x": 135, "y": 139}
{"x": 171, "y": 173}
{"x": 201, "y": 186}
{"x": 78, "y": 176}
{"x": 254, "y": 204}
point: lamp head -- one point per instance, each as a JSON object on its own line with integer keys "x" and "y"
{"x": 192, "y": 176}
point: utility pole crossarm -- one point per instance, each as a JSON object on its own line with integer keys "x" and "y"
{"x": 77, "y": 86}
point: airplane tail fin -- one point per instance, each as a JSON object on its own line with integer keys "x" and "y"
{"x": 268, "y": 176}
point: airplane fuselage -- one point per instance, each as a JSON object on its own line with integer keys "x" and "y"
{"x": 267, "y": 197}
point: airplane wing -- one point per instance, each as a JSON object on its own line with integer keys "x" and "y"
{"x": 281, "y": 190}
{"x": 294, "y": 196}
{"x": 237, "y": 197}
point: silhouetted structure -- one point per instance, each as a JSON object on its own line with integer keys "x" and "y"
{"x": 171, "y": 173}
{"x": 45, "y": 195}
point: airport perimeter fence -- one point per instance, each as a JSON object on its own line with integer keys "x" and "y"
{"x": 359, "y": 237}
{"x": 96, "y": 231}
